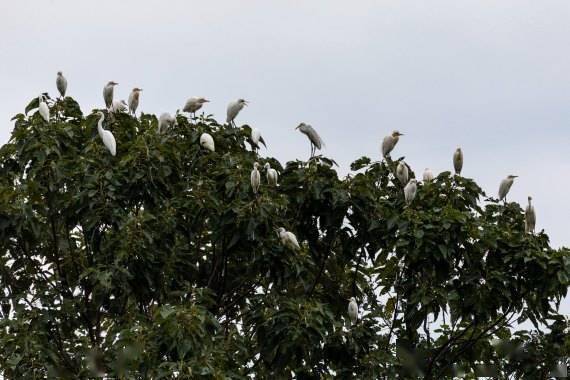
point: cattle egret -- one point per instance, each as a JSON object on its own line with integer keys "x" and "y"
{"x": 458, "y": 161}
{"x": 134, "y": 100}
{"x": 272, "y": 175}
{"x": 428, "y": 175}
{"x": 410, "y": 191}
{"x": 207, "y": 141}
{"x": 314, "y": 138}
{"x": 402, "y": 173}
{"x": 506, "y": 186}
{"x": 255, "y": 178}
{"x": 353, "y": 310}
{"x": 165, "y": 121}
{"x": 61, "y": 84}
{"x": 529, "y": 217}
{"x": 43, "y": 108}
{"x": 390, "y": 142}
{"x": 256, "y": 138}
{"x": 106, "y": 136}
{"x": 234, "y": 108}
{"x": 288, "y": 239}
{"x": 118, "y": 106}
{"x": 108, "y": 93}
{"x": 194, "y": 104}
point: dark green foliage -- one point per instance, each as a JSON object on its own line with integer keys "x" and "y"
{"x": 162, "y": 263}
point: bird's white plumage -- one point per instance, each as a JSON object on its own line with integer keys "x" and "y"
{"x": 353, "y": 310}
{"x": 428, "y": 175}
{"x": 529, "y": 217}
{"x": 402, "y": 173}
{"x": 43, "y": 108}
{"x": 272, "y": 175}
{"x": 458, "y": 161}
{"x": 118, "y": 106}
{"x": 234, "y": 108}
{"x": 389, "y": 142}
{"x": 505, "y": 186}
{"x": 288, "y": 239}
{"x": 165, "y": 121}
{"x": 410, "y": 191}
{"x": 134, "y": 100}
{"x": 194, "y": 104}
{"x": 106, "y": 136}
{"x": 61, "y": 84}
{"x": 255, "y": 178}
{"x": 207, "y": 141}
{"x": 256, "y": 137}
{"x": 108, "y": 93}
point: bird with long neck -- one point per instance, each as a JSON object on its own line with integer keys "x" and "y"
{"x": 106, "y": 136}
{"x": 61, "y": 84}
{"x": 108, "y": 93}
{"x": 233, "y": 109}
{"x": 505, "y": 186}
{"x": 390, "y": 142}
{"x": 43, "y": 108}
{"x": 529, "y": 217}
{"x": 134, "y": 100}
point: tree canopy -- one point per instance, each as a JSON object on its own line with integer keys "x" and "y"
{"x": 161, "y": 262}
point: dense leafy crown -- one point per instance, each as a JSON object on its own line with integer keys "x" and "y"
{"x": 160, "y": 262}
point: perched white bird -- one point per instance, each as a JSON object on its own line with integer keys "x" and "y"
{"x": 390, "y": 142}
{"x": 529, "y": 217}
{"x": 194, "y": 104}
{"x": 255, "y": 178}
{"x": 314, "y": 138}
{"x": 402, "y": 173}
{"x": 165, "y": 121}
{"x": 43, "y": 108}
{"x": 458, "y": 161}
{"x": 106, "y": 136}
{"x": 108, "y": 93}
{"x": 61, "y": 84}
{"x": 207, "y": 141}
{"x": 410, "y": 191}
{"x": 288, "y": 239}
{"x": 234, "y": 108}
{"x": 353, "y": 310}
{"x": 506, "y": 186}
{"x": 428, "y": 175}
{"x": 272, "y": 175}
{"x": 118, "y": 106}
{"x": 134, "y": 100}
{"x": 256, "y": 138}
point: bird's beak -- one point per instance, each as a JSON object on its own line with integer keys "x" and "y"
{"x": 206, "y": 101}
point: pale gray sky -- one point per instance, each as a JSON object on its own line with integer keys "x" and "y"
{"x": 491, "y": 77}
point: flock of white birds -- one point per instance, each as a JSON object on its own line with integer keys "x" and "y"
{"x": 287, "y": 238}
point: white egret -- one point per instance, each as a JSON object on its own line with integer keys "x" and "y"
{"x": 207, "y": 141}
{"x": 353, "y": 310}
{"x": 529, "y": 217}
{"x": 255, "y": 178}
{"x": 288, "y": 239}
{"x": 314, "y": 138}
{"x": 118, "y": 106}
{"x": 428, "y": 175}
{"x": 61, "y": 84}
{"x": 108, "y": 93}
{"x": 134, "y": 100}
{"x": 106, "y": 136}
{"x": 390, "y": 142}
{"x": 165, "y": 121}
{"x": 256, "y": 138}
{"x": 402, "y": 173}
{"x": 234, "y": 108}
{"x": 194, "y": 104}
{"x": 458, "y": 161}
{"x": 506, "y": 186}
{"x": 43, "y": 108}
{"x": 410, "y": 191}
{"x": 272, "y": 174}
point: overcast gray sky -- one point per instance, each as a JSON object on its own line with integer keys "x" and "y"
{"x": 491, "y": 77}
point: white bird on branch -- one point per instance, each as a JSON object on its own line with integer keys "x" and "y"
{"x": 255, "y": 178}
{"x": 288, "y": 239}
{"x": 106, "y": 136}
{"x": 402, "y": 173}
{"x": 390, "y": 142}
{"x": 529, "y": 217}
{"x": 108, "y": 93}
{"x": 353, "y": 310}
{"x": 506, "y": 186}
{"x": 194, "y": 104}
{"x": 272, "y": 174}
{"x": 410, "y": 191}
{"x": 233, "y": 109}
{"x": 428, "y": 175}
{"x": 61, "y": 84}
{"x": 207, "y": 141}
{"x": 43, "y": 108}
{"x": 458, "y": 161}
{"x": 165, "y": 121}
{"x": 314, "y": 138}
{"x": 134, "y": 100}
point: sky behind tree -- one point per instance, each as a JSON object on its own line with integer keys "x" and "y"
{"x": 491, "y": 77}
